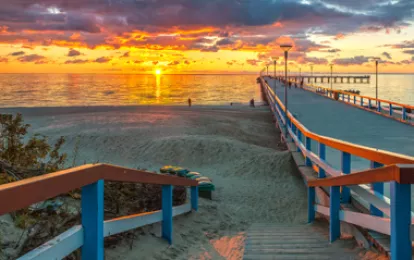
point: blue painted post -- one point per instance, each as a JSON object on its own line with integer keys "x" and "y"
{"x": 404, "y": 113}
{"x": 308, "y": 162}
{"x": 167, "y": 193}
{"x": 390, "y": 110}
{"x": 194, "y": 198}
{"x": 362, "y": 101}
{"x": 369, "y": 103}
{"x": 322, "y": 156}
{"x": 92, "y": 204}
{"x": 346, "y": 168}
{"x": 377, "y": 187}
{"x": 400, "y": 221}
{"x": 311, "y": 204}
{"x": 379, "y": 106}
{"x": 334, "y": 223}
{"x": 299, "y": 139}
{"x": 354, "y": 100}
{"x": 349, "y": 98}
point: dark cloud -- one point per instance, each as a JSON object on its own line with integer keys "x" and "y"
{"x": 213, "y": 48}
{"x": 387, "y": 55}
{"x": 126, "y": 54}
{"x": 138, "y": 61}
{"x": 174, "y": 63}
{"x": 186, "y": 62}
{"x": 225, "y": 41}
{"x": 17, "y": 53}
{"x": 38, "y": 59}
{"x": 77, "y": 61}
{"x": 155, "y": 62}
{"x": 333, "y": 50}
{"x": 73, "y": 53}
{"x": 357, "y": 60}
{"x": 312, "y": 60}
{"x": 403, "y": 45}
{"x": 4, "y": 59}
{"x": 409, "y": 52}
{"x": 103, "y": 60}
{"x": 253, "y": 62}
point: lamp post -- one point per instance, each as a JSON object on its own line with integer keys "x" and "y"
{"x": 267, "y": 70}
{"x": 274, "y": 72}
{"x": 376, "y": 81}
{"x": 286, "y": 48}
{"x": 331, "y": 73}
{"x": 311, "y": 67}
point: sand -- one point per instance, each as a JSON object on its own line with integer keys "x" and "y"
{"x": 237, "y": 147}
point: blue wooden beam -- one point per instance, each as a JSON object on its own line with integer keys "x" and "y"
{"x": 404, "y": 113}
{"x": 354, "y": 100}
{"x": 322, "y": 156}
{"x": 334, "y": 205}
{"x": 369, "y": 103}
{"x": 92, "y": 204}
{"x": 311, "y": 204}
{"x": 400, "y": 221}
{"x": 379, "y": 106}
{"x": 391, "y": 108}
{"x": 299, "y": 139}
{"x": 308, "y": 148}
{"x": 167, "y": 198}
{"x": 377, "y": 187}
{"x": 346, "y": 169}
{"x": 362, "y": 101}
{"x": 194, "y": 198}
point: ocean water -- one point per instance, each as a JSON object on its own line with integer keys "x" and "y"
{"x": 42, "y": 90}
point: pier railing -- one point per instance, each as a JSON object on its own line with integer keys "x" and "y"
{"x": 89, "y": 236}
{"x": 395, "y": 110}
{"x": 386, "y": 216}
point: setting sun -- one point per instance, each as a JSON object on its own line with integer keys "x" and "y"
{"x": 158, "y": 72}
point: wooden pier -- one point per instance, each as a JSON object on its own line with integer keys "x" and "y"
{"x": 335, "y": 79}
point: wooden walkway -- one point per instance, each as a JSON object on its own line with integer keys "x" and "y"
{"x": 296, "y": 241}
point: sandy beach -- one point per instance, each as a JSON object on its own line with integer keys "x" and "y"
{"x": 237, "y": 147}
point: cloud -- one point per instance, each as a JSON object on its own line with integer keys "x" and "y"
{"x": 103, "y": 60}
{"x": 73, "y": 53}
{"x": 77, "y": 61}
{"x": 17, "y": 53}
{"x": 38, "y": 59}
{"x": 387, "y": 55}
{"x": 333, "y": 50}
{"x": 253, "y": 62}
{"x": 357, "y": 60}
{"x": 213, "y": 48}
{"x": 4, "y": 59}
{"x": 174, "y": 63}
{"x": 409, "y": 52}
{"x": 126, "y": 54}
{"x": 403, "y": 45}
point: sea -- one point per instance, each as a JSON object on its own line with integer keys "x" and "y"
{"x": 51, "y": 90}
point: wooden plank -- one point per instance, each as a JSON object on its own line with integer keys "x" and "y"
{"x": 21, "y": 194}
{"x": 372, "y": 198}
{"x": 381, "y": 225}
{"x": 59, "y": 247}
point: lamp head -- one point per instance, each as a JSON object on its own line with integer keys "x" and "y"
{"x": 275, "y": 58}
{"x": 286, "y": 47}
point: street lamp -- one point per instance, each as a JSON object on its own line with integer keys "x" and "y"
{"x": 286, "y": 48}
{"x": 274, "y": 72}
{"x": 311, "y": 67}
{"x": 376, "y": 80}
{"x": 331, "y": 73}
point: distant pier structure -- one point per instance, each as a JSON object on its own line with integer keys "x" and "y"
{"x": 335, "y": 79}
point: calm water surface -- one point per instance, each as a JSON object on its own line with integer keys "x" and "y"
{"x": 33, "y": 90}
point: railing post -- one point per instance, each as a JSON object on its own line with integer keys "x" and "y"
{"x": 194, "y": 198}
{"x": 362, "y": 101}
{"x": 404, "y": 113}
{"x": 322, "y": 156}
{"x": 400, "y": 220}
{"x": 299, "y": 139}
{"x": 92, "y": 204}
{"x": 311, "y": 204}
{"x": 354, "y": 100}
{"x": 391, "y": 110}
{"x": 167, "y": 193}
{"x": 377, "y": 187}
{"x": 346, "y": 169}
{"x": 379, "y": 106}
{"x": 349, "y": 98}
{"x": 308, "y": 162}
{"x": 369, "y": 103}
{"x": 334, "y": 205}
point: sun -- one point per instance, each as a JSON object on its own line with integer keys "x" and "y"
{"x": 158, "y": 72}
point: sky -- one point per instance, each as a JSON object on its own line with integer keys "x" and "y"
{"x": 205, "y": 36}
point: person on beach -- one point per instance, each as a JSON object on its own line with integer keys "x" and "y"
{"x": 189, "y": 102}
{"x": 252, "y": 102}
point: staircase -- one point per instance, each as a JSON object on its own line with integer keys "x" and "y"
{"x": 295, "y": 241}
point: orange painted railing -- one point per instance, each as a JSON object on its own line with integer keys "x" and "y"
{"x": 90, "y": 235}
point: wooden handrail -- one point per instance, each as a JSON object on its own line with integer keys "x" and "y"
{"x": 21, "y": 194}
{"x": 380, "y": 156}
{"x": 403, "y": 174}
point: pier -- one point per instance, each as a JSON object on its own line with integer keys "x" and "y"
{"x": 335, "y": 79}
{"x": 341, "y": 143}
